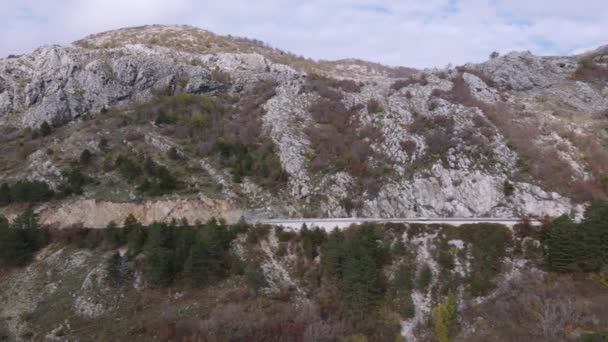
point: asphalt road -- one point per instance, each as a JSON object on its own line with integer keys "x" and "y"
{"x": 330, "y": 223}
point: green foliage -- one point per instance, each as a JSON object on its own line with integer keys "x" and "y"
{"x": 103, "y": 144}
{"x": 74, "y": 181}
{"x": 563, "y": 245}
{"x": 522, "y": 164}
{"x": 199, "y": 121}
{"x": 25, "y": 192}
{"x": 173, "y": 154}
{"x": 45, "y": 129}
{"x": 425, "y": 276}
{"x": 488, "y": 245}
{"x": 207, "y": 262}
{"x": 115, "y": 236}
{"x": 85, "y": 157}
{"x": 600, "y": 336}
{"x": 136, "y": 235}
{"x": 5, "y": 194}
{"x": 333, "y": 256}
{"x": 311, "y": 241}
{"x": 579, "y": 247}
{"x": 508, "y": 188}
{"x": 127, "y": 167}
{"x": 401, "y": 291}
{"x": 256, "y": 233}
{"x": 113, "y": 268}
{"x": 244, "y": 162}
{"x": 254, "y": 276}
{"x": 444, "y": 316}
{"x": 21, "y": 239}
{"x": 356, "y": 263}
{"x": 158, "y": 181}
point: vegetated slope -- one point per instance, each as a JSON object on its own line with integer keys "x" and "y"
{"x": 175, "y": 116}
{"x": 217, "y": 282}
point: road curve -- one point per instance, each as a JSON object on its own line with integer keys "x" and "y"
{"x": 331, "y": 223}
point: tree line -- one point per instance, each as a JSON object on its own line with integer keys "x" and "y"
{"x": 575, "y": 247}
{"x": 21, "y": 238}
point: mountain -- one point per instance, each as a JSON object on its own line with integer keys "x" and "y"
{"x": 176, "y": 140}
{"x": 175, "y": 119}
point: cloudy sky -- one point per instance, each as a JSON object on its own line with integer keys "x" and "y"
{"x": 417, "y": 33}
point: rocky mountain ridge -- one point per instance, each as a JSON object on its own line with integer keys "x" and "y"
{"x": 517, "y": 135}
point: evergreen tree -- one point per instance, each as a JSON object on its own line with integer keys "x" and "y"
{"x": 45, "y": 129}
{"x": 333, "y": 256}
{"x": 563, "y": 245}
{"x": 254, "y": 276}
{"x": 159, "y": 266}
{"x": 184, "y": 238}
{"x": 136, "y": 235}
{"x": 115, "y": 235}
{"x": 85, "y": 157}
{"x": 424, "y": 277}
{"x": 206, "y": 262}
{"x": 75, "y": 180}
{"x": 5, "y": 194}
{"x": 20, "y": 239}
{"x": 401, "y": 291}
{"x": 361, "y": 285}
{"x": 595, "y": 228}
{"x": 113, "y": 268}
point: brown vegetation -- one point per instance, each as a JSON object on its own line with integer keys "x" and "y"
{"x": 543, "y": 162}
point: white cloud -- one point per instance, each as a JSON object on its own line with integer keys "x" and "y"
{"x": 407, "y": 32}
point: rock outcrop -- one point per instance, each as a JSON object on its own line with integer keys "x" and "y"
{"x": 441, "y": 154}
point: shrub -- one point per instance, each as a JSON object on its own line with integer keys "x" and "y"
{"x": 588, "y": 70}
{"x": 74, "y": 181}
{"x": 374, "y": 106}
{"x": 127, "y": 167}
{"x": 508, "y": 188}
{"x": 85, "y": 157}
{"x": 25, "y": 192}
{"x": 409, "y": 146}
{"x": 20, "y": 239}
{"x": 444, "y": 316}
{"x": 401, "y": 291}
{"x": 425, "y": 276}
{"x": 45, "y": 129}
{"x": 254, "y": 276}
{"x": 400, "y": 84}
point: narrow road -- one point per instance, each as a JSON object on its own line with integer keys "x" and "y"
{"x": 331, "y": 223}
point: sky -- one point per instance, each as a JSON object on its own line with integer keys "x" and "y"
{"x": 413, "y": 33}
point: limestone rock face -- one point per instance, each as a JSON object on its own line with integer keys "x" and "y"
{"x": 460, "y": 172}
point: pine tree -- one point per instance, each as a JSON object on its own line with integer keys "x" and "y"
{"x": 136, "y": 235}
{"x": 113, "y": 268}
{"x": 21, "y": 238}
{"x": 5, "y": 194}
{"x": 114, "y": 235}
{"x": 401, "y": 291}
{"x": 563, "y": 245}
{"x": 332, "y": 259}
{"x": 45, "y": 129}
{"x": 361, "y": 283}
{"x": 158, "y": 268}
{"x": 85, "y": 157}
{"x": 595, "y": 228}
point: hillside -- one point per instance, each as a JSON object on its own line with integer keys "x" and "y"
{"x": 132, "y": 161}
{"x": 375, "y": 282}
{"x": 258, "y": 132}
